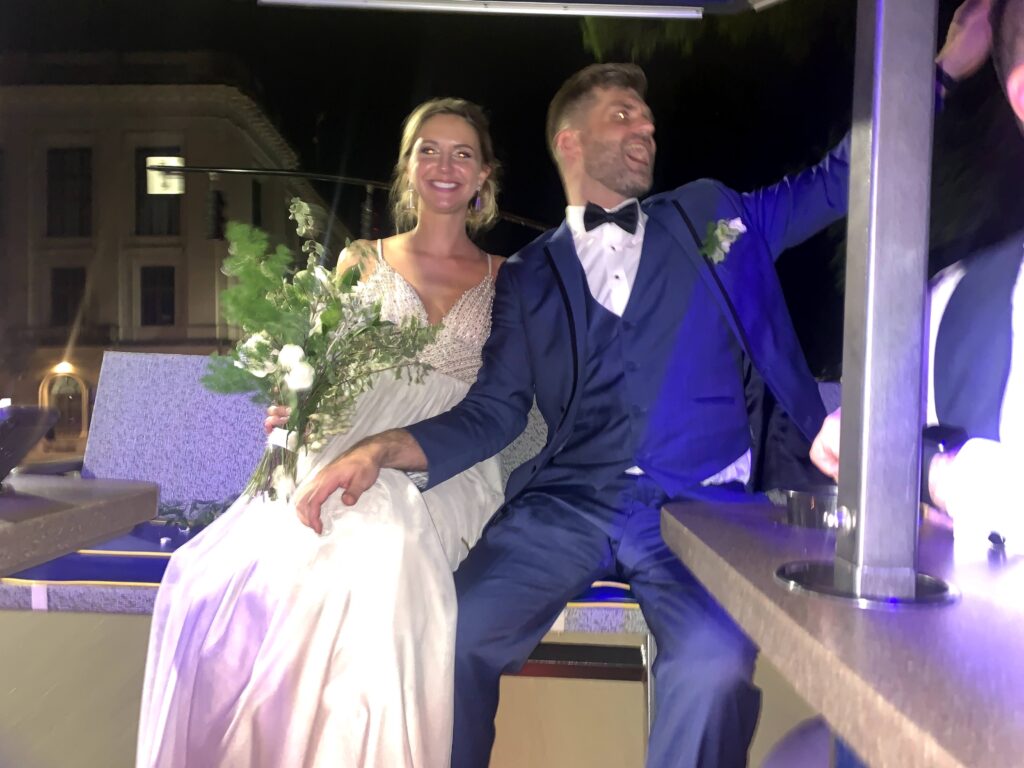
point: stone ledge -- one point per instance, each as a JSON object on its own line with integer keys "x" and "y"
{"x": 46, "y": 517}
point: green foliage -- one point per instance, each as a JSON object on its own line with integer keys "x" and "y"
{"x": 224, "y": 377}
{"x": 192, "y": 515}
{"x": 311, "y": 339}
{"x": 788, "y": 28}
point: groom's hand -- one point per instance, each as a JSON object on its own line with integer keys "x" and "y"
{"x": 353, "y": 473}
{"x": 357, "y": 470}
{"x": 825, "y": 449}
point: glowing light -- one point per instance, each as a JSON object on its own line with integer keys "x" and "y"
{"x": 5, "y": 402}
{"x": 63, "y": 367}
{"x": 164, "y": 182}
{"x": 536, "y": 7}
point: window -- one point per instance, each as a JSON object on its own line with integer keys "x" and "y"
{"x": 257, "y": 204}
{"x": 69, "y": 192}
{"x": 155, "y": 214}
{"x": 156, "y": 290}
{"x": 67, "y": 288}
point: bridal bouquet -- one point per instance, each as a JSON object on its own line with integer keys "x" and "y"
{"x": 310, "y": 339}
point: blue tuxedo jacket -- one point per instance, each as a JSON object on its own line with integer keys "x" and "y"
{"x": 537, "y": 348}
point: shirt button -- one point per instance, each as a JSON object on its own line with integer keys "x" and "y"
{"x": 627, "y": 326}
{"x": 631, "y": 366}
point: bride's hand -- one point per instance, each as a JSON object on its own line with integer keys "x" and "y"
{"x": 277, "y": 416}
{"x": 353, "y": 472}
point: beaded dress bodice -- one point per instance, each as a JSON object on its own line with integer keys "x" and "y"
{"x": 456, "y": 350}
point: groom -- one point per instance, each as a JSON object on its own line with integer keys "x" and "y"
{"x": 630, "y": 324}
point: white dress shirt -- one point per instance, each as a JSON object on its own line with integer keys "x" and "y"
{"x": 610, "y": 257}
{"x": 982, "y": 488}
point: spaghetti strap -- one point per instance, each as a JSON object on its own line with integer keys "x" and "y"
{"x": 380, "y": 249}
{"x": 489, "y": 273}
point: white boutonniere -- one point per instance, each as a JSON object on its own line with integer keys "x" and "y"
{"x": 720, "y": 237}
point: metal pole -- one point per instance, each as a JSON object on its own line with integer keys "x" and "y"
{"x": 172, "y": 170}
{"x": 884, "y": 323}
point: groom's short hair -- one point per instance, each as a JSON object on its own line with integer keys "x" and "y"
{"x": 576, "y": 93}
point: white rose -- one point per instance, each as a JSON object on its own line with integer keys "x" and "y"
{"x": 737, "y": 225}
{"x": 290, "y": 356}
{"x": 300, "y": 377}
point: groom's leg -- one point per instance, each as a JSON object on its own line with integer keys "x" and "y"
{"x": 707, "y": 706}
{"x": 511, "y": 588}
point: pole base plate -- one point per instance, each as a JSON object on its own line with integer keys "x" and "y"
{"x": 818, "y": 577}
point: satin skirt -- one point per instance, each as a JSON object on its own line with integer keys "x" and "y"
{"x": 274, "y": 646}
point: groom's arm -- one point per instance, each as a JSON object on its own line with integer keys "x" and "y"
{"x": 797, "y": 207}
{"x": 791, "y": 210}
{"x": 495, "y": 409}
{"x": 492, "y": 414}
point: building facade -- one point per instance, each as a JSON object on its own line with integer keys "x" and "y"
{"x": 89, "y": 260}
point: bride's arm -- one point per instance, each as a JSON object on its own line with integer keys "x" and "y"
{"x": 495, "y": 409}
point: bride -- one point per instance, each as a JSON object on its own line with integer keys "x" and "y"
{"x": 274, "y": 646}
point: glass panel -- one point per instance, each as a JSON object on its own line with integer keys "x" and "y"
{"x": 69, "y": 192}
{"x": 156, "y": 289}
{"x": 155, "y": 214}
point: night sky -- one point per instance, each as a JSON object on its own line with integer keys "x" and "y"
{"x": 742, "y": 106}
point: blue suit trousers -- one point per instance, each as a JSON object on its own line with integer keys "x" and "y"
{"x": 547, "y": 546}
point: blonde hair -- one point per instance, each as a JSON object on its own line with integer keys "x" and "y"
{"x": 405, "y": 215}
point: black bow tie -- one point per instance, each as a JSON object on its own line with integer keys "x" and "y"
{"x": 627, "y": 218}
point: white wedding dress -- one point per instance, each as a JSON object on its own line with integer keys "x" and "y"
{"x": 274, "y": 647}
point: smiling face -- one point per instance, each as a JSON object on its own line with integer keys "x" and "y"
{"x": 445, "y": 166}
{"x": 616, "y": 142}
